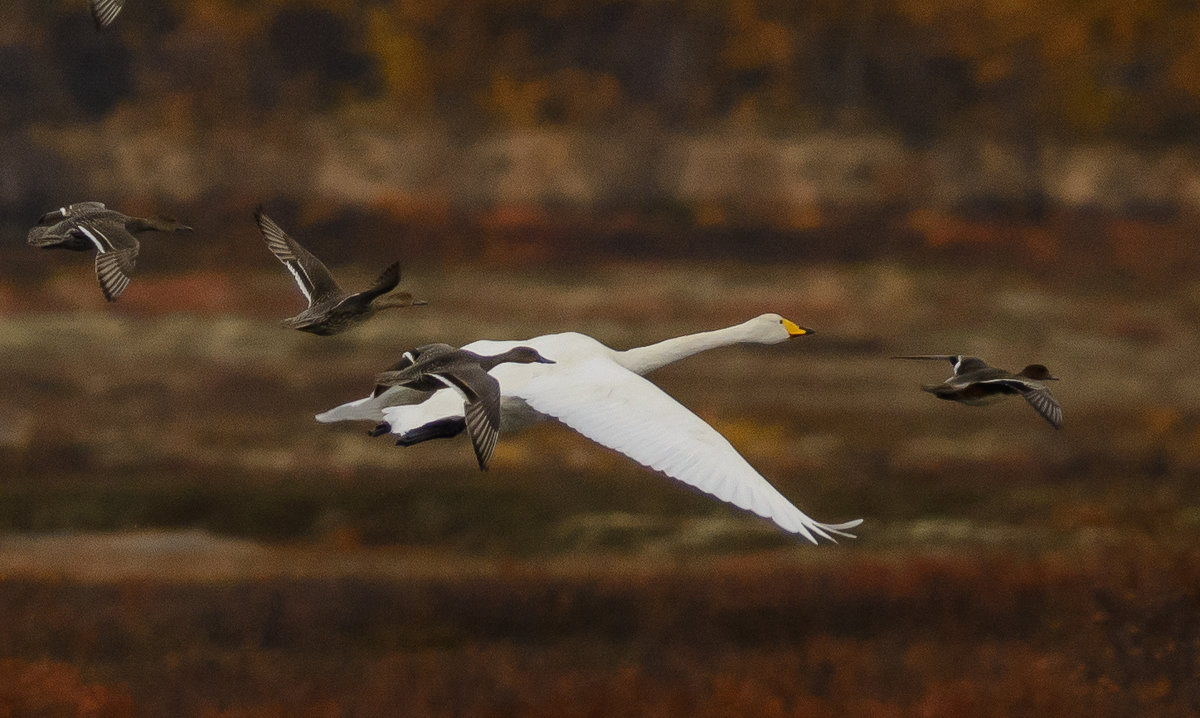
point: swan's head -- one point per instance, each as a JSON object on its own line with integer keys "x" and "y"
{"x": 773, "y": 329}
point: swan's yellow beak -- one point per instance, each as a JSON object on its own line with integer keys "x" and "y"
{"x": 794, "y": 329}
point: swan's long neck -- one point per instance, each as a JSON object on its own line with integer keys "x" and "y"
{"x": 642, "y": 360}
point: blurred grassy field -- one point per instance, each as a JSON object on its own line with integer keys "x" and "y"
{"x": 179, "y": 537}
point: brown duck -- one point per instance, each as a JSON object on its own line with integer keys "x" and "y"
{"x": 435, "y": 366}
{"x": 87, "y": 226}
{"x": 975, "y": 383}
{"x": 330, "y": 310}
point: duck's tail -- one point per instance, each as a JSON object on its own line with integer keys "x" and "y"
{"x": 41, "y": 237}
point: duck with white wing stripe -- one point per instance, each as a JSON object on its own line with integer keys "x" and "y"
{"x": 437, "y": 366}
{"x": 330, "y": 309}
{"x": 975, "y": 383}
{"x": 88, "y": 226}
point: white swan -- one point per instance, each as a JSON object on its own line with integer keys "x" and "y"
{"x": 599, "y": 392}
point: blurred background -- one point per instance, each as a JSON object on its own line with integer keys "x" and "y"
{"x": 1015, "y": 180}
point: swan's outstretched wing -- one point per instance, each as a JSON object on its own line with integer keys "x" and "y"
{"x": 619, "y": 409}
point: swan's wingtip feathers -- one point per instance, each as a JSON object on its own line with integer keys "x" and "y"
{"x": 824, "y": 530}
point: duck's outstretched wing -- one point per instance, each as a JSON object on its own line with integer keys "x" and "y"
{"x": 77, "y": 226}
{"x": 105, "y": 11}
{"x": 1037, "y": 395}
{"x": 388, "y": 280}
{"x": 395, "y": 371}
{"x": 481, "y": 408}
{"x": 312, "y": 277}
{"x": 114, "y": 269}
{"x": 1045, "y": 404}
{"x": 962, "y": 364}
{"x": 482, "y": 413}
{"x": 79, "y": 210}
{"x": 416, "y": 369}
{"x": 620, "y": 410}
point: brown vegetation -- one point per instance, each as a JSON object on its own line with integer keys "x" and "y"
{"x": 1076, "y": 634}
{"x": 540, "y": 131}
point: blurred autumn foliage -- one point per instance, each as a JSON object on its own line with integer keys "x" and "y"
{"x": 1058, "y": 636}
{"x": 856, "y": 128}
{"x": 1128, "y": 72}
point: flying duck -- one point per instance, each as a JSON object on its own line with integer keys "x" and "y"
{"x": 600, "y": 393}
{"x": 975, "y": 383}
{"x": 86, "y": 226}
{"x": 436, "y": 366}
{"x": 105, "y": 11}
{"x": 330, "y": 310}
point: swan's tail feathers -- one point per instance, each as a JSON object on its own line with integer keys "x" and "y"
{"x": 368, "y": 409}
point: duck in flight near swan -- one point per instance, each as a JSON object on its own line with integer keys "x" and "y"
{"x": 330, "y": 310}
{"x": 600, "y": 393}
{"x": 436, "y": 366}
{"x": 87, "y": 226}
{"x": 975, "y": 383}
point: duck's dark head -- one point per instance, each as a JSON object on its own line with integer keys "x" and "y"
{"x": 523, "y": 355}
{"x": 156, "y": 224}
{"x": 1037, "y": 372}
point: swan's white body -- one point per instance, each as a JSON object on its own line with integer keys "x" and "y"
{"x": 600, "y": 393}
